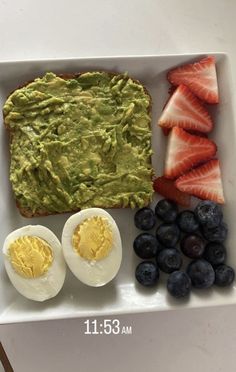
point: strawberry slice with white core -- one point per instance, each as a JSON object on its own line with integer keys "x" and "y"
{"x": 185, "y": 111}
{"x": 204, "y": 182}
{"x": 184, "y": 151}
{"x": 200, "y": 77}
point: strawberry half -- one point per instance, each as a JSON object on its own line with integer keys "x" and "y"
{"x": 200, "y": 77}
{"x": 184, "y": 110}
{"x": 203, "y": 182}
{"x": 185, "y": 150}
{"x": 167, "y": 188}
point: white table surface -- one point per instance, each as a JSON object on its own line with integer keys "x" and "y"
{"x": 194, "y": 340}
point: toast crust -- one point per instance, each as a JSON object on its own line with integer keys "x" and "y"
{"x": 27, "y": 212}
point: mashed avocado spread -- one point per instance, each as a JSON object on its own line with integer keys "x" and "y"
{"x": 80, "y": 142}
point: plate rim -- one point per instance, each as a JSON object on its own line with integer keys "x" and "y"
{"x": 113, "y": 57}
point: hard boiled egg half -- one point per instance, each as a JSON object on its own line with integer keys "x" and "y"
{"x": 34, "y": 262}
{"x": 92, "y": 247}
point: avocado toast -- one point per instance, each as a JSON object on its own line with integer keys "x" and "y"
{"x": 79, "y": 140}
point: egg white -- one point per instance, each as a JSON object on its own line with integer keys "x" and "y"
{"x": 50, "y": 283}
{"x": 94, "y": 273}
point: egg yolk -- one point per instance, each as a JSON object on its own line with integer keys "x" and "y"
{"x": 92, "y": 239}
{"x": 30, "y": 256}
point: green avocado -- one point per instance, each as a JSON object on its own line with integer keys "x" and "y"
{"x": 80, "y": 142}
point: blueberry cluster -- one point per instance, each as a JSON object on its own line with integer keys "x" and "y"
{"x": 198, "y": 234}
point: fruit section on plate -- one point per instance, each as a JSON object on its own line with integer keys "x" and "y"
{"x": 197, "y": 234}
{"x": 191, "y": 161}
{"x": 191, "y": 169}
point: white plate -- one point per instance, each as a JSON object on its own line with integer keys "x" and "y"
{"x": 122, "y": 295}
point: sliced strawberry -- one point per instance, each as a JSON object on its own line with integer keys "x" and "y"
{"x": 184, "y": 110}
{"x": 200, "y": 77}
{"x": 185, "y": 150}
{"x": 203, "y": 182}
{"x": 167, "y": 188}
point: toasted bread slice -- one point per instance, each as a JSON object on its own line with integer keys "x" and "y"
{"x": 41, "y": 210}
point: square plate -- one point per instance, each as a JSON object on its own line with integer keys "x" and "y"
{"x": 122, "y": 295}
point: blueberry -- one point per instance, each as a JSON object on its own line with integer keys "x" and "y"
{"x": 208, "y": 213}
{"x": 215, "y": 253}
{"x": 224, "y": 275}
{"x": 216, "y": 234}
{"x": 169, "y": 260}
{"x": 192, "y": 246}
{"x": 187, "y": 222}
{"x": 146, "y": 245}
{"x": 147, "y": 273}
{"x": 168, "y": 234}
{"x": 179, "y": 284}
{"x": 166, "y": 210}
{"x": 201, "y": 273}
{"x": 144, "y": 219}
